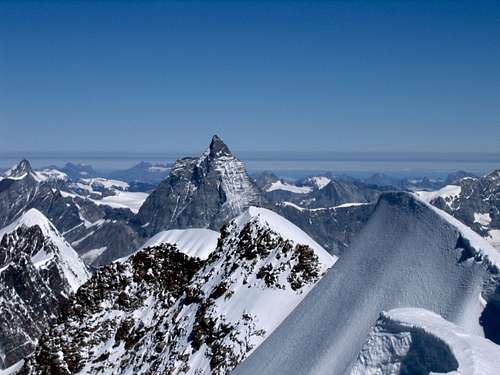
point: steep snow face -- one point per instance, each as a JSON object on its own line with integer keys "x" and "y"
{"x": 234, "y": 300}
{"x": 203, "y": 192}
{"x": 38, "y": 272}
{"x": 411, "y": 340}
{"x": 65, "y": 256}
{"x": 407, "y": 255}
{"x": 281, "y": 185}
{"x": 195, "y": 242}
{"x": 51, "y": 174}
{"x": 448, "y": 193}
{"x": 319, "y": 181}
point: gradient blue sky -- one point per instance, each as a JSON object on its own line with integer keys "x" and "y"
{"x": 315, "y": 76}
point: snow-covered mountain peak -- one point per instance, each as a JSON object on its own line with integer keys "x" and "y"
{"x": 63, "y": 254}
{"x": 218, "y": 148}
{"x": 31, "y": 218}
{"x": 20, "y": 170}
{"x": 200, "y": 192}
{"x": 495, "y": 175}
{"x": 264, "y": 217}
{"x": 39, "y": 271}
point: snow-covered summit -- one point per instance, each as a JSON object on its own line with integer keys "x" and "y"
{"x": 64, "y": 255}
{"x": 264, "y": 217}
{"x": 20, "y": 171}
{"x": 39, "y": 272}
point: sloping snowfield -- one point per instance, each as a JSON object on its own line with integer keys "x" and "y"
{"x": 407, "y": 255}
{"x": 195, "y": 242}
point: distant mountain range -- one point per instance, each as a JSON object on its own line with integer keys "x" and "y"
{"x": 198, "y": 268}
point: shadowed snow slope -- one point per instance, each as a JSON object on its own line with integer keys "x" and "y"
{"x": 71, "y": 265}
{"x": 407, "y": 255}
{"x": 417, "y": 341}
{"x": 195, "y": 242}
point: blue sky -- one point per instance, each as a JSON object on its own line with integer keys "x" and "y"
{"x": 314, "y": 76}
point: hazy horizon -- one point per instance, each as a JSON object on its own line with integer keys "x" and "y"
{"x": 285, "y": 164}
{"x": 303, "y": 76}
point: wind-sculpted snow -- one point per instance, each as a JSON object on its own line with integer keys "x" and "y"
{"x": 195, "y": 242}
{"x": 407, "y": 255}
{"x": 416, "y": 341}
{"x": 162, "y": 312}
{"x": 38, "y": 271}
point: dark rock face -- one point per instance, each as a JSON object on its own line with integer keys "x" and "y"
{"x": 161, "y": 274}
{"x": 200, "y": 192}
{"x": 478, "y": 203}
{"x": 30, "y": 295}
{"x": 332, "y": 228}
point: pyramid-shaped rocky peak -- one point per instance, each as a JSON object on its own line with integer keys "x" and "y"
{"x": 20, "y": 170}
{"x": 218, "y": 147}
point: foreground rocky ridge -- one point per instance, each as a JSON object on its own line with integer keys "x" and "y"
{"x": 163, "y": 312}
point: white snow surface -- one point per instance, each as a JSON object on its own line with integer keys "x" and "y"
{"x": 390, "y": 341}
{"x": 72, "y": 266}
{"x": 319, "y": 181}
{"x": 51, "y": 175}
{"x": 281, "y": 185}
{"x": 494, "y": 238}
{"x": 106, "y": 183}
{"x": 344, "y": 205}
{"x": 448, "y": 193}
{"x": 12, "y": 370}
{"x": 124, "y": 199}
{"x": 480, "y": 244}
{"x": 405, "y": 256}
{"x": 195, "y": 242}
{"x": 483, "y": 219}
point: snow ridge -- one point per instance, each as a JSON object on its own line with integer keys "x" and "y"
{"x": 71, "y": 265}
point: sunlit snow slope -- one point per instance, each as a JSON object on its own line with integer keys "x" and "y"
{"x": 407, "y": 255}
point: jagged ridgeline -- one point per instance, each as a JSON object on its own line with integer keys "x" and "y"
{"x": 200, "y": 192}
{"x": 161, "y": 311}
